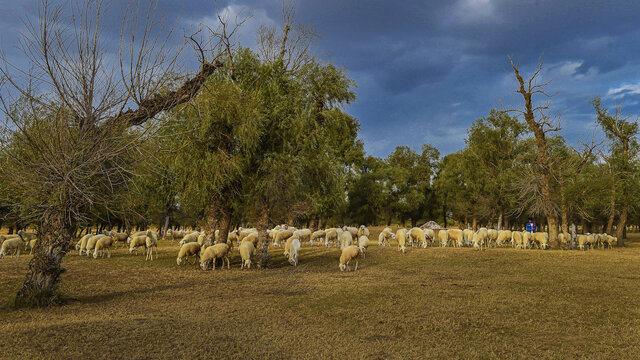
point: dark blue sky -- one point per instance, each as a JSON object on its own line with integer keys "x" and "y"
{"x": 426, "y": 69}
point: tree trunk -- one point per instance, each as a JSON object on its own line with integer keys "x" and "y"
{"x": 166, "y": 224}
{"x": 40, "y": 286}
{"x": 612, "y": 206}
{"x": 262, "y": 252}
{"x": 312, "y": 223}
{"x": 474, "y": 223}
{"x": 500, "y": 220}
{"x": 622, "y": 223}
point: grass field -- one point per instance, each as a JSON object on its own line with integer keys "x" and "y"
{"x": 427, "y": 303}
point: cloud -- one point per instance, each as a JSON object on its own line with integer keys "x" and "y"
{"x": 624, "y": 90}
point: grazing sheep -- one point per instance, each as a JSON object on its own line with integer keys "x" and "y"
{"x": 346, "y": 239}
{"x": 119, "y": 237}
{"x": 303, "y": 235}
{"x": 253, "y": 238}
{"x": 293, "y": 249}
{"x": 189, "y": 249}
{"x": 192, "y": 237}
{"x": 217, "y": 251}
{"x": 418, "y": 234}
{"x": 13, "y": 244}
{"x": 504, "y": 236}
{"x": 526, "y": 238}
{"x": 516, "y": 237}
{"x": 401, "y": 238}
{"x": 151, "y": 241}
{"x": 287, "y": 244}
{"x": 362, "y": 230}
{"x": 467, "y": 235}
{"x": 430, "y": 234}
{"x": 349, "y": 253}
{"x": 103, "y": 245}
{"x": 246, "y": 249}
{"x": 352, "y": 230}
{"x": 32, "y": 245}
{"x": 542, "y": 239}
{"x": 363, "y": 244}
{"x": 385, "y": 235}
{"x": 27, "y": 236}
{"x": 443, "y": 238}
{"x": 492, "y": 236}
{"x": 480, "y": 238}
{"x": 331, "y": 235}
{"x": 318, "y": 236}
{"x": 455, "y": 235}
{"x": 82, "y": 244}
{"x": 137, "y": 241}
{"x": 282, "y": 235}
{"x": 91, "y": 243}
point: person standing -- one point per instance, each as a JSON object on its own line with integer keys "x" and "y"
{"x": 531, "y": 226}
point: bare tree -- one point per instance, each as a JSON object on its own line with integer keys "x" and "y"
{"x": 540, "y": 124}
{"x": 68, "y": 114}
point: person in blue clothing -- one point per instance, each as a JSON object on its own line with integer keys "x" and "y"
{"x": 531, "y": 226}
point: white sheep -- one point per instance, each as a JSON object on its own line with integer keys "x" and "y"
{"x": 13, "y": 244}
{"x": 526, "y": 238}
{"x": 417, "y": 234}
{"x": 192, "y": 237}
{"x": 217, "y": 251}
{"x": 492, "y": 236}
{"x": 430, "y": 234}
{"x": 351, "y": 229}
{"x": 119, "y": 237}
{"x": 281, "y": 236}
{"x": 137, "y": 241}
{"x": 385, "y": 235}
{"x": 103, "y": 245}
{"x": 401, "y": 238}
{"x": 362, "y": 230}
{"x": 294, "y": 248}
{"x": 189, "y": 249}
{"x": 480, "y": 238}
{"x": 253, "y": 238}
{"x": 318, "y": 235}
{"x": 349, "y": 253}
{"x": 542, "y": 239}
{"x": 443, "y": 237}
{"x": 32, "y": 245}
{"x": 82, "y": 244}
{"x": 246, "y": 249}
{"x": 467, "y": 235}
{"x": 455, "y": 235}
{"x": 91, "y": 243}
{"x": 331, "y": 235}
{"x": 504, "y": 236}
{"x": 303, "y": 235}
{"x": 27, "y": 236}
{"x": 151, "y": 241}
{"x": 346, "y": 239}
{"x": 516, "y": 238}
{"x": 363, "y": 244}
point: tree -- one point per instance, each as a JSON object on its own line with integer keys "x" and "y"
{"x": 69, "y": 148}
{"x": 540, "y": 124}
{"x": 621, "y": 134}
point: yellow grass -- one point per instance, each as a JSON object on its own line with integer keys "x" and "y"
{"x": 428, "y": 303}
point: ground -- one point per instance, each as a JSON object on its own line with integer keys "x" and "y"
{"x": 427, "y": 303}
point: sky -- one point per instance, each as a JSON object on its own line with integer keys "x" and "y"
{"x": 425, "y": 70}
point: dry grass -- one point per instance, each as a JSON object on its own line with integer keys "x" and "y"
{"x": 428, "y": 303}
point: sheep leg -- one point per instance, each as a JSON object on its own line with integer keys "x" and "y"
{"x": 356, "y": 265}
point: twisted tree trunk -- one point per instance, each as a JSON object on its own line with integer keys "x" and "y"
{"x": 262, "y": 252}
{"x": 40, "y": 286}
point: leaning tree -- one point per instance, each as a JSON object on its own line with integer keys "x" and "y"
{"x": 68, "y": 145}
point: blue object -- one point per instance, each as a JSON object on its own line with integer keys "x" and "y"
{"x": 531, "y": 227}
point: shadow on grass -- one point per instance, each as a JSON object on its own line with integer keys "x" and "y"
{"x": 98, "y": 298}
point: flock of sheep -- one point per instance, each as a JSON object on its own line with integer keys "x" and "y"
{"x": 352, "y": 241}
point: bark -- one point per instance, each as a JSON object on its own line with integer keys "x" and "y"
{"x": 612, "y": 205}
{"x": 474, "y": 223}
{"x": 262, "y": 252}
{"x": 500, "y": 220}
{"x": 40, "y": 286}
{"x": 312, "y": 223}
{"x": 620, "y": 229}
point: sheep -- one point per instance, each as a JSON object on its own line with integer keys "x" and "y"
{"x": 349, "y": 253}
{"x": 188, "y": 249}
{"x": 418, "y": 234}
{"x": 318, "y": 235}
{"x": 383, "y": 238}
{"x": 363, "y": 244}
{"x": 202, "y": 238}
{"x": 591, "y": 240}
{"x": 352, "y": 230}
{"x": 246, "y": 249}
{"x": 192, "y": 237}
{"x": 91, "y": 243}
{"x": 294, "y": 248}
{"x": 467, "y": 235}
{"x": 32, "y": 245}
{"x": 479, "y": 238}
{"x": 346, "y": 239}
{"x": 14, "y": 244}
{"x": 119, "y": 237}
{"x": 252, "y": 238}
{"x": 443, "y": 238}
{"x": 282, "y": 235}
{"x": 217, "y": 251}
{"x": 6, "y": 237}
{"x": 492, "y": 236}
{"x": 610, "y": 240}
{"x": 151, "y": 241}
{"x": 516, "y": 238}
{"x": 330, "y": 235}
{"x": 287, "y": 244}
{"x": 137, "y": 233}
{"x": 582, "y": 241}
{"x": 81, "y": 246}
{"x": 455, "y": 235}
{"x": 430, "y": 234}
{"x": 526, "y": 237}
{"x": 137, "y": 241}
{"x": 401, "y": 238}
{"x": 103, "y": 245}
{"x": 303, "y": 234}
{"x": 27, "y": 236}
{"x": 542, "y": 239}
{"x": 504, "y": 236}
{"x": 362, "y": 230}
